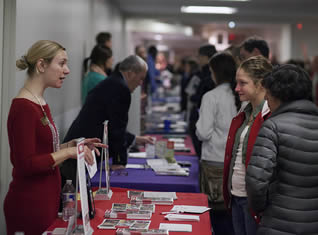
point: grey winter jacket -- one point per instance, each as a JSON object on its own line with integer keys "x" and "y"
{"x": 282, "y": 175}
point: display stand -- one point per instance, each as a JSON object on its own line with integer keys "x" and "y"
{"x": 85, "y": 228}
{"x": 104, "y": 193}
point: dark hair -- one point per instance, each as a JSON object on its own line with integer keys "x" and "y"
{"x": 194, "y": 66}
{"x": 152, "y": 50}
{"x": 99, "y": 55}
{"x": 207, "y": 50}
{"x": 297, "y": 62}
{"x": 254, "y": 42}
{"x": 103, "y": 37}
{"x": 224, "y": 68}
{"x": 288, "y": 82}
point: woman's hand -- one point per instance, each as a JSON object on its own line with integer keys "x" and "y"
{"x": 93, "y": 143}
{"x": 144, "y": 140}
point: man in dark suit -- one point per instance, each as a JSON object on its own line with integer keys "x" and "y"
{"x": 109, "y": 100}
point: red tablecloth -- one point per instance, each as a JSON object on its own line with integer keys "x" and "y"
{"x": 120, "y": 196}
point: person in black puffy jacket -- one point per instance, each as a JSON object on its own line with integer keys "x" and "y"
{"x": 282, "y": 175}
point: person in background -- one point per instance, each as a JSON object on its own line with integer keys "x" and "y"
{"x": 152, "y": 73}
{"x": 254, "y": 46}
{"x": 101, "y": 60}
{"x": 217, "y": 109}
{"x": 141, "y": 51}
{"x": 179, "y": 68}
{"x": 32, "y": 202}
{"x": 104, "y": 39}
{"x": 281, "y": 177}
{"x": 242, "y": 135}
{"x": 205, "y": 84}
{"x": 109, "y": 100}
{"x": 189, "y": 84}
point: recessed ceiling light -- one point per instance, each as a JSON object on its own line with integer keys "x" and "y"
{"x": 208, "y": 10}
{"x": 231, "y": 24}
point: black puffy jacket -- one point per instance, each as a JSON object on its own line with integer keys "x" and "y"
{"x": 282, "y": 175}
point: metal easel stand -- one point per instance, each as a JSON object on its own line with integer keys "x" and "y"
{"x": 104, "y": 193}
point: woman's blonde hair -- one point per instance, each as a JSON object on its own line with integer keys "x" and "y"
{"x": 42, "y": 49}
{"x": 257, "y": 67}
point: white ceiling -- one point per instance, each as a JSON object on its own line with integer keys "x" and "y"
{"x": 254, "y": 11}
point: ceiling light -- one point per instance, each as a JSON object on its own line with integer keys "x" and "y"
{"x": 231, "y": 0}
{"x": 231, "y": 24}
{"x": 208, "y": 9}
{"x": 158, "y": 37}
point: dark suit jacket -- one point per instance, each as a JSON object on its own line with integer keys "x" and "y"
{"x": 109, "y": 100}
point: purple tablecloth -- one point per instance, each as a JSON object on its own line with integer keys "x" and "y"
{"x": 147, "y": 180}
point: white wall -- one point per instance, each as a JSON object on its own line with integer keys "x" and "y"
{"x": 7, "y": 69}
{"x": 73, "y": 23}
{"x": 306, "y": 36}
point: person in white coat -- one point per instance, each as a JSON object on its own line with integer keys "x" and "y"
{"x": 218, "y": 108}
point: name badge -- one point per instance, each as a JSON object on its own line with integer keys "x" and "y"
{"x": 44, "y": 121}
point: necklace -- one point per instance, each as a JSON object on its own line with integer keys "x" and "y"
{"x": 46, "y": 121}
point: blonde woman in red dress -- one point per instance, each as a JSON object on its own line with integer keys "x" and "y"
{"x": 32, "y": 201}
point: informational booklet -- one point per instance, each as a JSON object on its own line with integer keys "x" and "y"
{"x": 189, "y": 209}
{"x": 137, "y": 155}
{"x": 129, "y": 231}
{"x": 182, "y": 217}
{"x": 176, "y": 140}
{"x": 135, "y": 166}
{"x": 161, "y": 201}
{"x": 160, "y": 194}
{"x": 133, "y": 224}
{"x": 150, "y": 149}
{"x": 92, "y": 169}
{"x": 176, "y": 227}
{"x": 120, "y": 207}
{"x": 128, "y": 214}
{"x": 141, "y": 224}
{"x": 149, "y": 194}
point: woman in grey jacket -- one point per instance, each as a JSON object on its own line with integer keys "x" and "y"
{"x": 282, "y": 175}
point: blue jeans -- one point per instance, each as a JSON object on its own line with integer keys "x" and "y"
{"x": 243, "y": 221}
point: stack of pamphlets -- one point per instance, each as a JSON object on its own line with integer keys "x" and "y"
{"x": 176, "y": 227}
{"x": 151, "y": 200}
{"x": 162, "y": 167}
{"x": 130, "y": 211}
{"x": 132, "y": 224}
{"x": 128, "y": 214}
{"x": 128, "y": 231}
{"x": 189, "y": 209}
{"x": 137, "y": 155}
{"x": 149, "y": 194}
{"x": 179, "y": 217}
{"x": 120, "y": 207}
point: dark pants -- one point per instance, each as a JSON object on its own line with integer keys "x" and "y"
{"x": 197, "y": 144}
{"x": 243, "y": 221}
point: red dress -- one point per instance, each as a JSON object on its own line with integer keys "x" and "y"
{"x": 32, "y": 202}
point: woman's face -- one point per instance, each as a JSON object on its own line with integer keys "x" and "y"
{"x": 109, "y": 63}
{"x": 273, "y": 102}
{"x": 55, "y": 72}
{"x": 246, "y": 88}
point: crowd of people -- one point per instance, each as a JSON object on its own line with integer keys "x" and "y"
{"x": 253, "y": 124}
